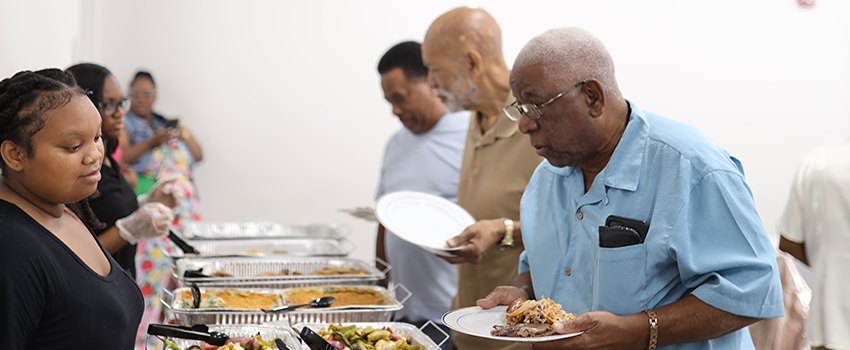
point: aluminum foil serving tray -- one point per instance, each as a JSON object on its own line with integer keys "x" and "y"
{"x": 405, "y": 329}
{"x": 263, "y": 229}
{"x": 264, "y": 247}
{"x": 246, "y": 330}
{"x": 347, "y": 314}
{"x": 246, "y": 272}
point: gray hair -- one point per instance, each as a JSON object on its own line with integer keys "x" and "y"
{"x": 571, "y": 55}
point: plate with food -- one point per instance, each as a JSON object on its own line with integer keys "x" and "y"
{"x": 423, "y": 219}
{"x": 522, "y": 321}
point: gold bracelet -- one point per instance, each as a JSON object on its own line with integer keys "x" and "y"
{"x": 653, "y": 329}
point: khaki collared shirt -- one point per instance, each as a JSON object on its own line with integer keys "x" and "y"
{"x": 496, "y": 168}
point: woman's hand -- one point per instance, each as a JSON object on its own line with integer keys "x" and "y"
{"x": 160, "y": 136}
{"x": 165, "y": 191}
{"x": 151, "y": 220}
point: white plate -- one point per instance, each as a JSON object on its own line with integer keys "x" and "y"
{"x": 422, "y": 219}
{"x": 479, "y": 322}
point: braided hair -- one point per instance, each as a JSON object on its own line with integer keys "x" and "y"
{"x": 24, "y": 99}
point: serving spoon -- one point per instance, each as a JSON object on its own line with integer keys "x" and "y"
{"x": 320, "y": 302}
{"x": 196, "y": 296}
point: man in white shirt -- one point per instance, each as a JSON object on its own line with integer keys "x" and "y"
{"x": 815, "y": 229}
{"x": 423, "y": 156}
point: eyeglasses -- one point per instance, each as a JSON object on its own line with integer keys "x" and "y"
{"x": 145, "y": 94}
{"x": 109, "y": 108}
{"x": 515, "y": 111}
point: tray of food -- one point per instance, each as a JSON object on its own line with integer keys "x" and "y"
{"x": 246, "y": 336}
{"x": 263, "y": 229}
{"x": 375, "y": 335}
{"x": 280, "y": 272}
{"x": 231, "y": 299}
{"x": 263, "y": 247}
{"x": 245, "y": 306}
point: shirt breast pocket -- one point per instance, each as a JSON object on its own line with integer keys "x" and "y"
{"x": 620, "y": 286}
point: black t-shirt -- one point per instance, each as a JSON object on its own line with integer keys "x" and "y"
{"x": 50, "y": 299}
{"x": 116, "y": 201}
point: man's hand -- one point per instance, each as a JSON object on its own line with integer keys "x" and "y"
{"x": 602, "y": 330}
{"x": 480, "y": 238}
{"x": 502, "y": 295}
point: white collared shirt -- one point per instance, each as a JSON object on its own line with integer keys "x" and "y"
{"x": 818, "y": 215}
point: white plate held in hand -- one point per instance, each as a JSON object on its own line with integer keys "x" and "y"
{"x": 479, "y": 322}
{"x": 422, "y": 219}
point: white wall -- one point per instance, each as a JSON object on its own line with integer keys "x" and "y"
{"x": 36, "y": 35}
{"x": 285, "y": 99}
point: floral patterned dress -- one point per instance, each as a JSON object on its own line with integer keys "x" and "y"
{"x": 171, "y": 159}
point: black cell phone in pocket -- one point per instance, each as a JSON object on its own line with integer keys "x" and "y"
{"x": 621, "y": 231}
{"x": 314, "y": 341}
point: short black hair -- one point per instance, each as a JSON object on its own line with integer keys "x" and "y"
{"x": 407, "y": 56}
{"x": 143, "y": 75}
{"x": 91, "y": 77}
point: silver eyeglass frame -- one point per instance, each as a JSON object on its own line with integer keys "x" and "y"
{"x": 525, "y": 108}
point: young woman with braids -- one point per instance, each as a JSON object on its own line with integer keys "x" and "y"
{"x": 115, "y": 204}
{"x": 59, "y": 288}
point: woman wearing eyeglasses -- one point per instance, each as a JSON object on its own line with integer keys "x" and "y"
{"x": 115, "y": 203}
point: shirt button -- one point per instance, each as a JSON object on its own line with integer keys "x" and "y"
{"x": 568, "y": 272}
{"x": 580, "y": 215}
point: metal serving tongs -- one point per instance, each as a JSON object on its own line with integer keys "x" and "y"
{"x": 196, "y": 332}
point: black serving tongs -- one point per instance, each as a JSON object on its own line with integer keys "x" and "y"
{"x": 197, "y": 332}
{"x": 185, "y": 247}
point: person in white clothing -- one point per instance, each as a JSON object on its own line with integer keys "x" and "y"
{"x": 815, "y": 229}
{"x": 425, "y": 155}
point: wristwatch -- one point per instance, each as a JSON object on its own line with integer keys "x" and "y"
{"x": 507, "y": 241}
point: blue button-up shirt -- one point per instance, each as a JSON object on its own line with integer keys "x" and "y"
{"x": 705, "y": 237}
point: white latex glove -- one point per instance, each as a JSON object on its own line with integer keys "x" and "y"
{"x": 168, "y": 187}
{"x": 151, "y": 220}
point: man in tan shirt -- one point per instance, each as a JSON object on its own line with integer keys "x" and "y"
{"x": 463, "y": 51}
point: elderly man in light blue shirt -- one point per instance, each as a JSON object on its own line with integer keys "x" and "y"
{"x": 641, "y": 224}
